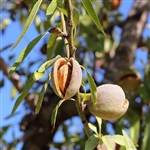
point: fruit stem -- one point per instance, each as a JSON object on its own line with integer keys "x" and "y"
{"x": 65, "y": 31}
{"x": 82, "y": 115}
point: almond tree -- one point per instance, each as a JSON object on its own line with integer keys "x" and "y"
{"x": 85, "y": 59}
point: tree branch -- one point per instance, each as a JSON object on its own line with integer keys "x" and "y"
{"x": 15, "y": 79}
{"x": 131, "y": 35}
{"x": 70, "y": 29}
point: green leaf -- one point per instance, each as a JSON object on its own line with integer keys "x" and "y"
{"x": 92, "y": 87}
{"x": 33, "y": 78}
{"x": 47, "y": 64}
{"x": 134, "y": 127}
{"x": 146, "y": 138}
{"x": 89, "y": 8}
{"x": 61, "y": 7}
{"x": 106, "y": 141}
{"x": 52, "y": 43}
{"x": 119, "y": 139}
{"x": 128, "y": 142}
{"x": 148, "y": 43}
{"x": 13, "y": 92}
{"x": 93, "y": 127}
{"x": 75, "y": 16}
{"x": 10, "y": 116}
{"x": 144, "y": 92}
{"x": 85, "y": 96}
{"x": 91, "y": 143}
{"x": 38, "y": 75}
{"x": 51, "y": 8}
{"x": 63, "y": 10}
{"x": 54, "y": 114}
{"x": 3, "y": 142}
{"x": 4, "y": 130}
{"x": 41, "y": 95}
{"x": 29, "y": 21}
{"x": 99, "y": 120}
{"x": 2, "y": 83}
{"x": 51, "y": 46}
{"x": 24, "y": 53}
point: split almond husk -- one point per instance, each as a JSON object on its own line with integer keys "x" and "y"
{"x": 66, "y": 77}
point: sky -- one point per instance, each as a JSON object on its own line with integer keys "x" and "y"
{"x": 6, "y": 104}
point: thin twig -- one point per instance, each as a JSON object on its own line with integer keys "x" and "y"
{"x": 70, "y": 29}
{"x": 65, "y": 32}
{"x": 82, "y": 115}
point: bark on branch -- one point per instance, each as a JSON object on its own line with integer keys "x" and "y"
{"x": 131, "y": 35}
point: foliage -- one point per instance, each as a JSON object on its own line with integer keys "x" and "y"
{"x": 90, "y": 18}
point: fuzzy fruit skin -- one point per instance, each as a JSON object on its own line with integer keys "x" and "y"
{"x": 66, "y": 77}
{"x": 111, "y": 103}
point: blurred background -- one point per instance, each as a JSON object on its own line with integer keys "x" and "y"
{"x": 122, "y": 57}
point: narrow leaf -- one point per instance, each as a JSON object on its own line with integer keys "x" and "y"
{"x": 119, "y": 139}
{"x": 106, "y": 141}
{"x": 29, "y": 21}
{"x": 33, "y": 78}
{"x": 13, "y": 92}
{"x": 146, "y": 138}
{"x": 4, "y": 130}
{"x": 92, "y": 87}
{"x": 41, "y": 95}
{"x": 52, "y": 43}
{"x": 91, "y": 143}
{"x": 99, "y": 120}
{"x": 51, "y": 8}
{"x": 61, "y": 7}
{"x": 47, "y": 64}
{"x": 93, "y": 127}
{"x": 24, "y": 53}
{"x": 128, "y": 142}
{"x": 135, "y": 127}
{"x": 85, "y": 96}
{"x": 54, "y": 114}
{"x": 10, "y": 116}
{"x": 38, "y": 75}
{"x": 89, "y": 8}
{"x": 75, "y": 16}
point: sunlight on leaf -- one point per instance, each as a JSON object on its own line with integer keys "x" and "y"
{"x": 51, "y": 8}
{"x": 29, "y": 21}
{"x": 93, "y": 127}
{"x": 85, "y": 96}
{"x": 13, "y": 92}
{"x": 119, "y": 139}
{"x": 128, "y": 142}
{"x": 106, "y": 141}
{"x": 47, "y": 64}
{"x": 99, "y": 120}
